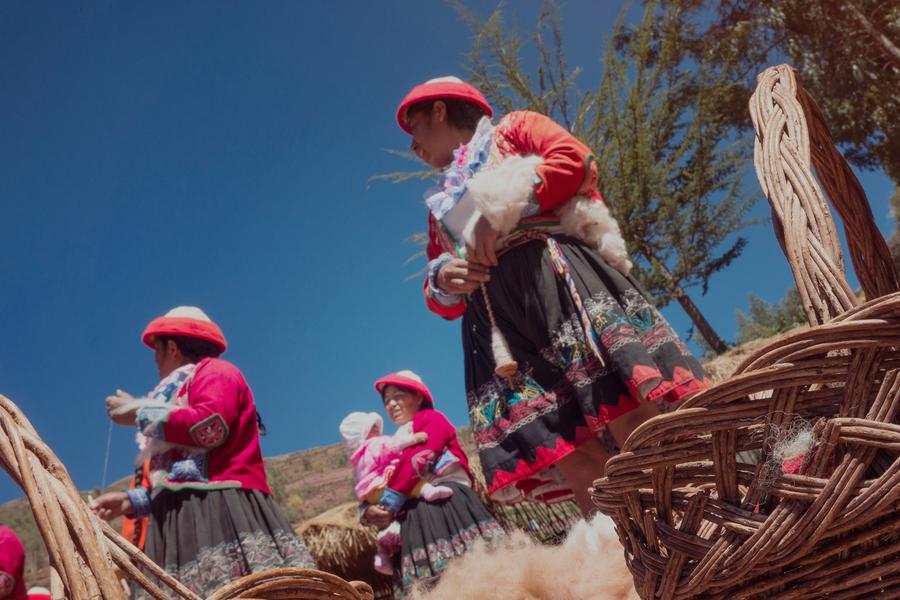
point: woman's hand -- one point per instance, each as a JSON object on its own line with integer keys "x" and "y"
{"x": 111, "y": 505}
{"x": 377, "y": 515}
{"x": 481, "y": 249}
{"x": 420, "y": 437}
{"x": 459, "y": 276}
{"x": 114, "y": 403}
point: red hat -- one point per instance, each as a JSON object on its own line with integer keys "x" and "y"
{"x": 408, "y": 380}
{"x": 39, "y": 593}
{"x": 188, "y": 321}
{"x": 442, "y": 87}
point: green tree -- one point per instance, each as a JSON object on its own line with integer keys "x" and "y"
{"x": 894, "y": 242}
{"x": 765, "y": 320}
{"x": 667, "y": 158}
{"x": 276, "y": 484}
{"x": 293, "y": 507}
{"x": 847, "y": 55}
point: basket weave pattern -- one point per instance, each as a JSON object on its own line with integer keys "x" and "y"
{"x": 694, "y": 520}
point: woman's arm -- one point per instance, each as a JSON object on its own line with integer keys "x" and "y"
{"x": 375, "y": 515}
{"x": 547, "y": 166}
{"x": 440, "y": 302}
{"x": 567, "y": 168}
{"x": 401, "y": 441}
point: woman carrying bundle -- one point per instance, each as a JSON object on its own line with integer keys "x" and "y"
{"x": 432, "y": 532}
{"x": 564, "y": 356}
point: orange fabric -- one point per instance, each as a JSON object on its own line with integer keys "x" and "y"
{"x": 135, "y": 530}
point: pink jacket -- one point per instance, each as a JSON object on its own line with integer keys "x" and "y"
{"x": 12, "y": 566}
{"x": 220, "y": 417}
{"x": 375, "y": 461}
{"x": 434, "y": 456}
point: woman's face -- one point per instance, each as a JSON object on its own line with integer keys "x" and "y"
{"x": 401, "y": 404}
{"x": 168, "y": 357}
{"x": 434, "y": 139}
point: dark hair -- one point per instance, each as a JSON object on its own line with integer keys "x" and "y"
{"x": 193, "y": 349}
{"x": 460, "y": 113}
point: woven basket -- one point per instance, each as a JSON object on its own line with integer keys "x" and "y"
{"x": 85, "y": 552}
{"x": 697, "y": 521}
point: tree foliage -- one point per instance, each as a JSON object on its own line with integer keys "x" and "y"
{"x": 764, "y": 320}
{"x": 894, "y": 242}
{"x": 847, "y": 55}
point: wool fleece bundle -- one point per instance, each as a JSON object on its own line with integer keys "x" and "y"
{"x": 588, "y": 566}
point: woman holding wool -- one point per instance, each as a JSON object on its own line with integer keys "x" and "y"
{"x": 212, "y": 516}
{"x": 564, "y": 356}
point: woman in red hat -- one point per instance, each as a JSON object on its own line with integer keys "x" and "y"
{"x": 434, "y": 532}
{"x": 564, "y": 356}
{"x": 212, "y": 516}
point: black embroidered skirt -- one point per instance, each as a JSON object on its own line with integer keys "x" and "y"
{"x": 433, "y": 533}
{"x": 562, "y": 394}
{"x": 207, "y": 539}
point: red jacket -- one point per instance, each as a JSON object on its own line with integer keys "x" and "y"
{"x": 434, "y": 456}
{"x": 221, "y": 418}
{"x": 568, "y": 169}
{"x": 12, "y": 566}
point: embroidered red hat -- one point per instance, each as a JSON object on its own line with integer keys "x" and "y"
{"x": 435, "y": 89}
{"x": 188, "y": 321}
{"x": 405, "y": 379}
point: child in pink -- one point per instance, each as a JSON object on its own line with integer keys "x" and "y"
{"x": 375, "y": 457}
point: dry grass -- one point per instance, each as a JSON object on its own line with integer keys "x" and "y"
{"x": 722, "y": 366}
{"x": 342, "y": 546}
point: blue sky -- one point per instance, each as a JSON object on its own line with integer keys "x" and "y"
{"x": 217, "y": 154}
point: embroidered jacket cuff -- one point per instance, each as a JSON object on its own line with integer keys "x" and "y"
{"x": 392, "y": 500}
{"x": 433, "y": 290}
{"x": 140, "y": 502}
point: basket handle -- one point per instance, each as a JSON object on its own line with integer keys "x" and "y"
{"x": 795, "y": 158}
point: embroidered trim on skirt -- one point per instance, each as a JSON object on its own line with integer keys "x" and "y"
{"x": 562, "y": 396}
{"x": 432, "y": 533}
{"x": 207, "y": 539}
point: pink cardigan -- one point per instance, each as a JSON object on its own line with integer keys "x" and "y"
{"x": 12, "y": 566}
{"x": 220, "y": 417}
{"x": 433, "y": 457}
{"x": 375, "y": 461}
